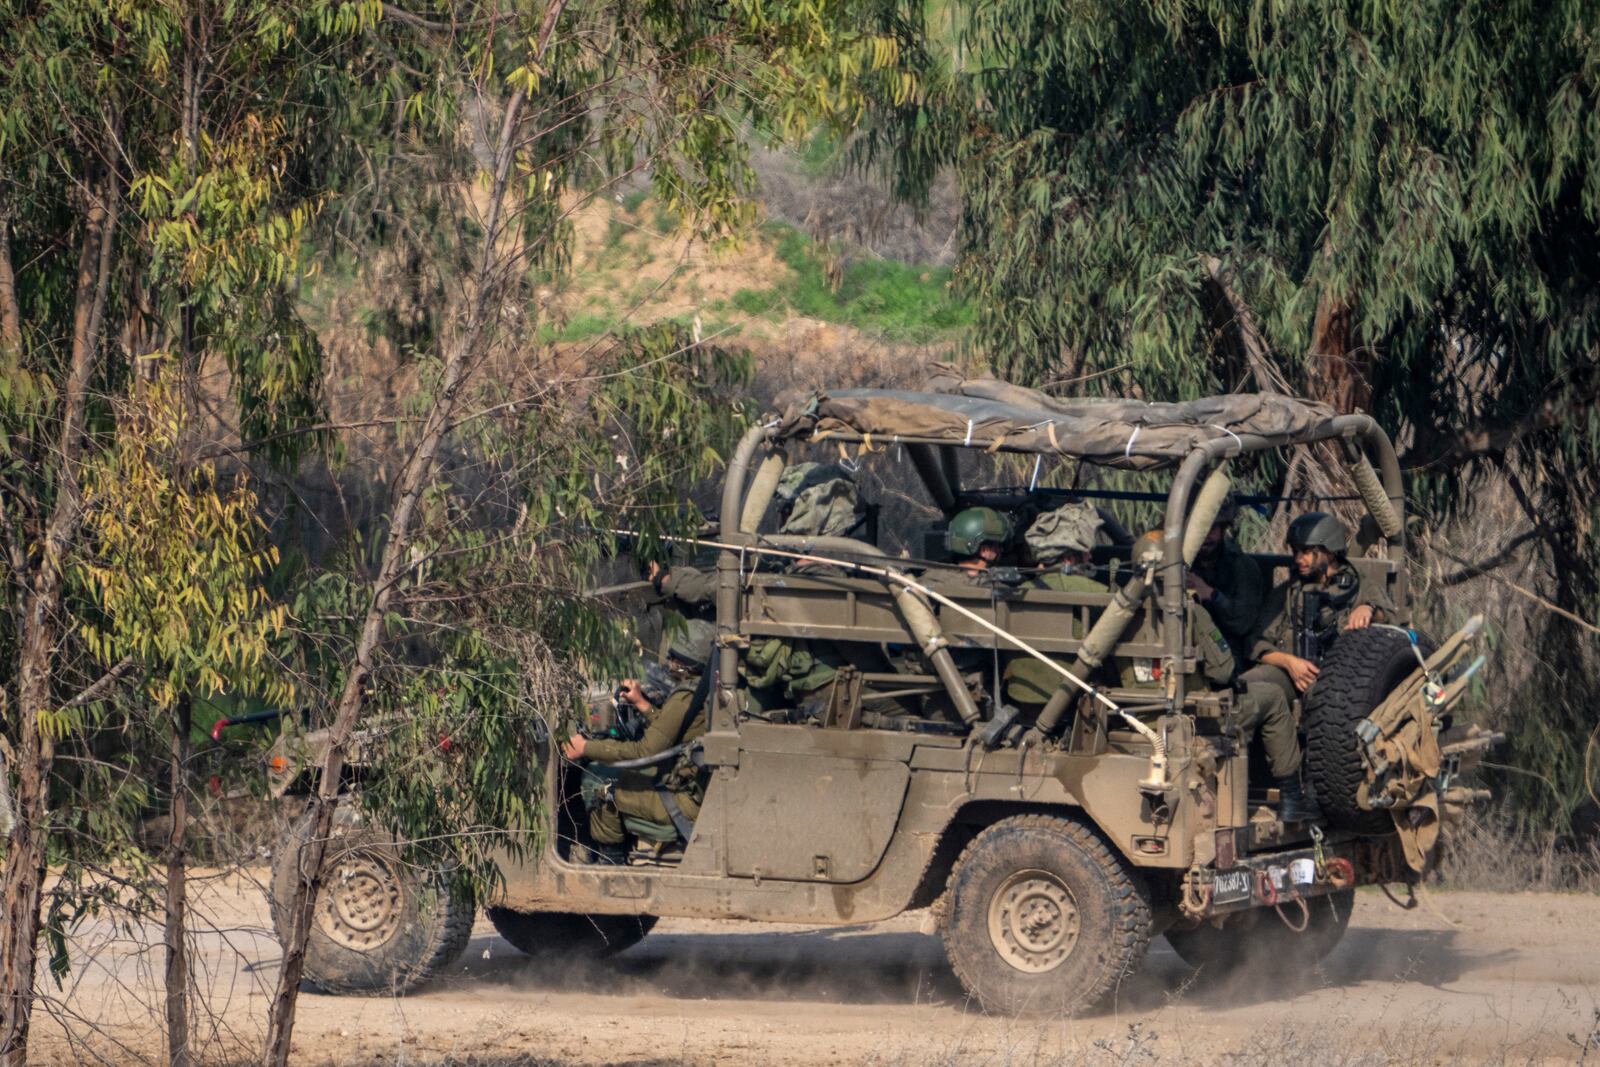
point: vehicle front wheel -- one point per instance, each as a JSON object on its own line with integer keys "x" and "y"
{"x": 381, "y": 925}
{"x": 1042, "y": 917}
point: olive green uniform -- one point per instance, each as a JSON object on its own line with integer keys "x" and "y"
{"x": 1240, "y": 592}
{"x": 636, "y": 793}
{"x": 1266, "y": 702}
{"x": 1028, "y": 682}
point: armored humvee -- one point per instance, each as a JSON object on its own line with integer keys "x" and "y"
{"x": 1052, "y": 847}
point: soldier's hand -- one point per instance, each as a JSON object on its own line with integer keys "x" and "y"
{"x": 1201, "y": 588}
{"x": 1302, "y": 672}
{"x": 654, "y": 571}
{"x": 1360, "y": 618}
{"x": 573, "y": 747}
{"x": 631, "y": 691}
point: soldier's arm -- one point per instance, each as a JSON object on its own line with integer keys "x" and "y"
{"x": 1374, "y": 594}
{"x": 1269, "y": 635}
{"x": 689, "y": 584}
{"x": 1215, "y": 656}
{"x": 663, "y": 731}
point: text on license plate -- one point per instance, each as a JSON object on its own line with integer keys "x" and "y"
{"x": 1230, "y": 886}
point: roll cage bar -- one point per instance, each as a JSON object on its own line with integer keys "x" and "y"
{"x": 1362, "y": 440}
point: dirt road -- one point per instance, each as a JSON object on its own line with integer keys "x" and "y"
{"x": 1516, "y": 980}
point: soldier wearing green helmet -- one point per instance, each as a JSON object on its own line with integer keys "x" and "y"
{"x": 976, "y": 537}
{"x": 673, "y": 798}
{"x": 1060, "y": 542}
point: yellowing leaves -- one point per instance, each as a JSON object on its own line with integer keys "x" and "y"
{"x": 174, "y": 564}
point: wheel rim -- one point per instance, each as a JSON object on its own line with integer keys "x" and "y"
{"x": 363, "y": 902}
{"x": 1033, "y": 921}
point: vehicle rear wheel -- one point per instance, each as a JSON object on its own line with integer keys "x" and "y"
{"x": 381, "y": 925}
{"x": 1042, "y": 917}
{"x": 555, "y": 933}
{"x": 1260, "y": 940}
{"x": 1358, "y": 672}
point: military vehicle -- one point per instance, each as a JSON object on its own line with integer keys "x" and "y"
{"x": 1050, "y": 846}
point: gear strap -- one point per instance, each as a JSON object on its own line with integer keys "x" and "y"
{"x": 682, "y": 822}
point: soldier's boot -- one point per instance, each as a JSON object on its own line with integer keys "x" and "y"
{"x": 602, "y": 854}
{"x": 1293, "y": 803}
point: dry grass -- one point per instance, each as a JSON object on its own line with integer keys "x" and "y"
{"x": 1486, "y": 851}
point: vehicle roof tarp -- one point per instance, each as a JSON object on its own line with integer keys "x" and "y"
{"x": 989, "y": 413}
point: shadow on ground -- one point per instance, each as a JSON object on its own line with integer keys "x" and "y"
{"x": 854, "y": 965}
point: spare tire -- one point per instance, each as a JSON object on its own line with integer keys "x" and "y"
{"x": 1362, "y": 668}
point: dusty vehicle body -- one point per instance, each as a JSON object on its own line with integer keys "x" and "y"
{"x": 1054, "y": 849}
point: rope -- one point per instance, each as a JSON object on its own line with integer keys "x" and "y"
{"x": 1305, "y": 914}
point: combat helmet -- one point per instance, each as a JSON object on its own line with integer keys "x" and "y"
{"x": 693, "y": 644}
{"x": 1228, "y": 513}
{"x": 974, "y": 527}
{"x": 1318, "y": 529}
{"x": 1069, "y": 528}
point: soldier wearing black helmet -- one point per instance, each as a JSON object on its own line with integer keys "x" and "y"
{"x": 1302, "y": 617}
{"x": 1227, "y": 581}
{"x": 1322, "y": 598}
{"x": 676, "y": 794}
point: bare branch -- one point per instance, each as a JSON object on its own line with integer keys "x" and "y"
{"x": 1568, "y": 405}
{"x": 390, "y": 11}
{"x": 1529, "y": 593}
{"x": 1257, "y": 355}
{"x": 1489, "y": 563}
{"x": 103, "y": 685}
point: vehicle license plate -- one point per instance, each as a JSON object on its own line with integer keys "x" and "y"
{"x": 1229, "y": 887}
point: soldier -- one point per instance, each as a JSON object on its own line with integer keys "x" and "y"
{"x": 1217, "y": 664}
{"x": 1305, "y": 615}
{"x": 976, "y": 537}
{"x": 1060, "y": 541}
{"x": 674, "y": 797}
{"x": 1227, "y": 582}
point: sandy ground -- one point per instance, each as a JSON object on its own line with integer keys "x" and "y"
{"x": 1515, "y": 980}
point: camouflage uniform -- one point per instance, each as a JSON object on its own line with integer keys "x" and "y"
{"x": 1282, "y": 619}
{"x": 1069, "y": 528}
{"x": 821, "y": 501}
{"x": 1216, "y": 667}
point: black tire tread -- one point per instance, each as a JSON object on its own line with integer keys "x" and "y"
{"x": 451, "y": 933}
{"x": 1133, "y": 917}
{"x": 1358, "y": 672}
{"x": 553, "y": 933}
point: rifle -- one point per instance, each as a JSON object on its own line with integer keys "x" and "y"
{"x": 1308, "y": 643}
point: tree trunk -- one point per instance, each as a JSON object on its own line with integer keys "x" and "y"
{"x": 1341, "y": 369}
{"x": 176, "y": 926}
{"x": 21, "y": 883}
{"x": 23, "y": 879}
{"x": 494, "y": 267}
